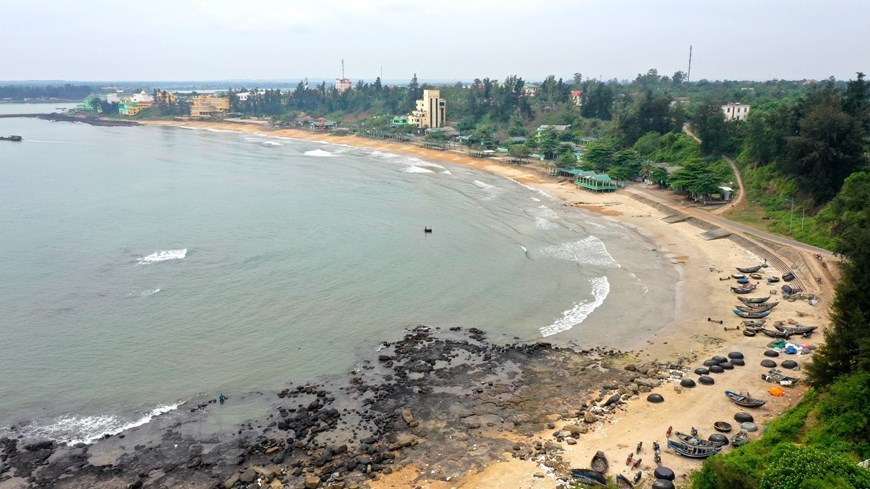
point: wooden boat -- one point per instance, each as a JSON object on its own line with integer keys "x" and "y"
{"x": 722, "y": 426}
{"x": 10, "y": 138}
{"x": 757, "y": 307}
{"x": 754, "y": 322}
{"x": 756, "y": 276}
{"x": 744, "y": 401}
{"x": 764, "y": 306}
{"x": 795, "y": 330}
{"x": 743, "y": 289}
{"x": 740, "y": 438}
{"x": 775, "y": 334}
{"x": 622, "y": 482}
{"x": 692, "y": 451}
{"x": 738, "y": 275}
{"x": 772, "y": 280}
{"x": 753, "y": 300}
{"x": 589, "y": 477}
{"x": 743, "y": 280}
{"x": 776, "y": 377}
{"x": 750, "y": 269}
{"x": 427, "y": 229}
{"x": 599, "y": 462}
{"x": 748, "y": 332}
{"x": 697, "y": 442}
{"x": 750, "y": 315}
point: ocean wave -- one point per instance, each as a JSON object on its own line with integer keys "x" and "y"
{"x": 271, "y": 143}
{"x": 417, "y": 169}
{"x": 533, "y": 189}
{"x": 163, "y": 255}
{"x": 491, "y": 190}
{"x": 209, "y": 129}
{"x": 544, "y": 225}
{"x": 546, "y": 212}
{"x": 381, "y": 154}
{"x": 146, "y": 293}
{"x": 71, "y": 429}
{"x": 581, "y": 310}
{"x": 587, "y": 251}
{"x": 319, "y": 152}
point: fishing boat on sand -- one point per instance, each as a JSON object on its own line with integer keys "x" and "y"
{"x": 589, "y": 477}
{"x": 754, "y": 322}
{"x": 740, "y": 438}
{"x": 753, "y": 300}
{"x": 697, "y": 442}
{"x": 599, "y": 462}
{"x": 622, "y": 482}
{"x": 757, "y": 307}
{"x": 776, "y": 377}
{"x": 692, "y": 451}
{"x": 750, "y": 269}
{"x": 775, "y": 334}
{"x": 750, "y": 315}
{"x": 744, "y": 401}
{"x": 743, "y": 289}
{"x": 796, "y": 330}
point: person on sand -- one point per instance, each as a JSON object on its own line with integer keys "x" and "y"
{"x": 222, "y": 398}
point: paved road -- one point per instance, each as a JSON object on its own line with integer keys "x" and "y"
{"x": 728, "y": 224}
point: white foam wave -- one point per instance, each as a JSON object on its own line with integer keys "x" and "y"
{"x": 72, "y": 428}
{"x": 447, "y": 172}
{"x": 146, "y": 293}
{"x": 417, "y": 169}
{"x": 581, "y": 310}
{"x": 534, "y": 199}
{"x": 491, "y": 190}
{"x": 587, "y": 251}
{"x": 381, "y": 154}
{"x": 545, "y": 225}
{"x": 533, "y": 189}
{"x": 319, "y": 152}
{"x": 209, "y": 129}
{"x": 546, "y": 212}
{"x": 270, "y": 143}
{"x": 163, "y": 255}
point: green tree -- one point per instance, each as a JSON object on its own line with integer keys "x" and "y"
{"x": 709, "y": 122}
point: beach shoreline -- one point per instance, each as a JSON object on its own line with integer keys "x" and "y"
{"x": 681, "y": 344}
{"x": 690, "y": 336}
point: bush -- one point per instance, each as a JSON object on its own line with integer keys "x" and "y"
{"x": 801, "y": 467}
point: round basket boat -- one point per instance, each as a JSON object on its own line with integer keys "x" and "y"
{"x": 722, "y": 426}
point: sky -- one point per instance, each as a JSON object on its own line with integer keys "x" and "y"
{"x": 119, "y": 40}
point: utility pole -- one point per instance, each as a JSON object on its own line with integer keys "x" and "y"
{"x": 342, "y": 68}
{"x": 791, "y": 216}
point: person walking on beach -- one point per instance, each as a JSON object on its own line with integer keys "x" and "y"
{"x": 222, "y": 398}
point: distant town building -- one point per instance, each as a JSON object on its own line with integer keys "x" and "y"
{"x": 530, "y": 89}
{"x": 208, "y": 106}
{"x": 131, "y": 109}
{"x": 735, "y": 112}
{"x": 431, "y": 110}
{"x": 343, "y": 84}
{"x": 243, "y": 96}
{"x": 164, "y": 98}
{"x": 400, "y": 120}
{"x": 140, "y": 97}
{"x": 577, "y": 98}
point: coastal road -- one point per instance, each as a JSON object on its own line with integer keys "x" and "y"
{"x": 734, "y": 227}
{"x": 740, "y": 195}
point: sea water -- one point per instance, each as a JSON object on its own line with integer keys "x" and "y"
{"x": 142, "y": 267}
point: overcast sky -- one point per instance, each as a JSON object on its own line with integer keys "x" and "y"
{"x": 438, "y": 40}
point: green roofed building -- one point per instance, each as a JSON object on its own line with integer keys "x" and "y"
{"x": 596, "y": 183}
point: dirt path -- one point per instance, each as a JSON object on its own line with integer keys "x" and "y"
{"x": 739, "y": 200}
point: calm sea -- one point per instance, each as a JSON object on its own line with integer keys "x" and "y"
{"x": 141, "y": 267}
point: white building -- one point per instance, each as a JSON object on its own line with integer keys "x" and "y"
{"x": 243, "y": 96}
{"x": 343, "y": 84}
{"x": 735, "y": 112}
{"x": 431, "y": 110}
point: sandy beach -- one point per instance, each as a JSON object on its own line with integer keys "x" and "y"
{"x": 689, "y": 340}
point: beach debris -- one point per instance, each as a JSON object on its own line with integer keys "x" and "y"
{"x": 776, "y": 391}
{"x": 711, "y": 320}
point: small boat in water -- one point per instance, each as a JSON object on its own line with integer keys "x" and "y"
{"x": 10, "y": 138}
{"x": 744, "y": 401}
{"x": 692, "y": 451}
{"x": 599, "y": 462}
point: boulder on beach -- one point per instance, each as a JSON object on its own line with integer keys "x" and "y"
{"x": 655, "y": 398}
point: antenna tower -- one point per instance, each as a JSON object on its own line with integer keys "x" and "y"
{"x": 342, "y": 68}
{"x": 689, "y": 74}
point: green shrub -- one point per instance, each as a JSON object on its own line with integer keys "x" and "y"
{"x": 801, "y": 467}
